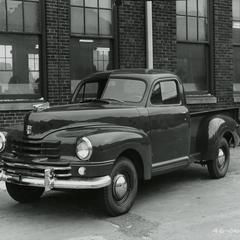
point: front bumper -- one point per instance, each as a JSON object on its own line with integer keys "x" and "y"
{"x": 50, "y": 183}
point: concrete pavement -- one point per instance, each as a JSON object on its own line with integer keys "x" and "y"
{"x": 178, "y": 206}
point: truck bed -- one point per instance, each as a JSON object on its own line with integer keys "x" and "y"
{"x": 196, "y": 119}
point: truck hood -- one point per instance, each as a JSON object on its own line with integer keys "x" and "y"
{"x": 80, "y": 115}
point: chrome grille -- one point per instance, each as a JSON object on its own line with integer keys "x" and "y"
{"x": 36, "y": 149}
{"x": 62, "y": 171}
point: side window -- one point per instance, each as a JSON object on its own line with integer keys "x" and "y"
{"x": 169, "y": 92}
{"x": 87, "y": 91}
{"x": 156, "y": 97}
{"x": 165, "y": 92}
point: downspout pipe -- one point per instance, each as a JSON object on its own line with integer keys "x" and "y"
{"x": 149, "y": 34}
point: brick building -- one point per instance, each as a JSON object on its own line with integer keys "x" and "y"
{"x": 47, "y": 46}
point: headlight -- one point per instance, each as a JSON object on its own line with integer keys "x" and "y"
{"x": 84, "y": 149}
{"x": 2, "y": 141}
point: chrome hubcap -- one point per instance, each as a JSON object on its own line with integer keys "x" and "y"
{"x": 221, "y": 158}
{"x": 120, "y": 186}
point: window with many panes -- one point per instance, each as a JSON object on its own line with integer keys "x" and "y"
{"x": 19, "y": 48}
{"x": 193, "y": 44}
{"x": 92, "y": 37}
{"x": 236, "y": 43}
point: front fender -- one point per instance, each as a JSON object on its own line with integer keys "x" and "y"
{"x": 110, "y": 145}
{"x": 211, "y": 130}
{"x": 109, "y": 142}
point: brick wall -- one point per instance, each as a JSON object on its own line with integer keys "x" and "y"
{"x": 58, "y": 50}
{"x": 164, "y": 34}
{"x": 131, "y": 34}
{"x": 8, "y": 119}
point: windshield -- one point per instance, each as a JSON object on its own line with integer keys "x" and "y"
{"x": 120, "y": 90}
{"x": 127, "y": 90}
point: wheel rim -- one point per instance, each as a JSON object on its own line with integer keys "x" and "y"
{"x": 120, "y": 187}
{"x": 221, "y": 159}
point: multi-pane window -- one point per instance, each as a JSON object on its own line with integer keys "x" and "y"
{"x": 19, "y": 48}
{"x": 193, "y": 44}
{"x": 19, "y": 16}
{"x": 91, "y": 17}
{"x": 236, "y": 44}
{"x": 92, "y": 37}
{"x": 101, "y": 59}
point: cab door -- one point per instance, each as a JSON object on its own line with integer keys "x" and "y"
{"x": 169, "y": 122}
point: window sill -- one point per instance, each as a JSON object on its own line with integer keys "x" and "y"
{"x": 19, "y": 105}
{"x": 200, "y": 99}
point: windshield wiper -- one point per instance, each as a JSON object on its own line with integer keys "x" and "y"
{"x": 112, "y": 99}
{"x": 94, "y": 100}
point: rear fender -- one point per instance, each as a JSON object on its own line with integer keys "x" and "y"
{"x": 212, "y": 130}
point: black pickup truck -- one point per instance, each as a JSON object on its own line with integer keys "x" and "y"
{"x": 121, "y": 126}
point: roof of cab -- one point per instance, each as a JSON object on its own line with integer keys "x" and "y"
{"x": 139, "y": 73}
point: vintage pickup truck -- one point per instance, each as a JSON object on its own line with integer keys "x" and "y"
{"x": 121, "y": 126}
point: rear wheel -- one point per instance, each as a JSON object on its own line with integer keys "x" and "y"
{"x": 24, "y": 194}
{"x": 218, "y": 167}
{"x": 120, "y": 195}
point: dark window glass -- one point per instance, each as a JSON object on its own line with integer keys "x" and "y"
{"x": 77, "y": 2}
{"x": 105, "y": 4}
{"x": 193, "y": 66}
{"x": 88, "y": 91}
{"x": 236, "y": 42}
{"x": 31, "y": 17}
{"x": 192, "y": 7}
{"x": 192, "y": 29}
{"x": 156, "y": 97}
{"x": 203, "y": 28}
{"x": 125, "y": 90}
{"x": 169, "y": 92}
{"x": 91, "y": 3}
{"x": 202, "y": 8}
{"x": 95, "y": 54}
{"x": 181, "y": 7}
{"x": 2, "y": 15}
{"x": 77, "y": 20}
{"x": 181, "y": 27}
{"x": 236, "y": 21}
{"x": 91, "y": 17}
{"x": 15, "y": 16}
{"x": 19, "y": 65}
{"x": 236, "y": 60}
{"x": 105, "y": 22}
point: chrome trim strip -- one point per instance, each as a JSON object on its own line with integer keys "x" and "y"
{"x": 37, "y": 166}
{"x": 49, "y": 182}
{"x": 176, "y": 160}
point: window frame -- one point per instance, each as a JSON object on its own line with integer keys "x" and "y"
{"x": 209, "y": 43}
{"x": 158, "y": 81}
{"x": 41, "y": 35}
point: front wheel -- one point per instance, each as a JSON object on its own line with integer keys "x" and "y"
{"x": 218, "y": 167}
{"x": 24, "y": 194}
{"x": 120, "y": 195}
